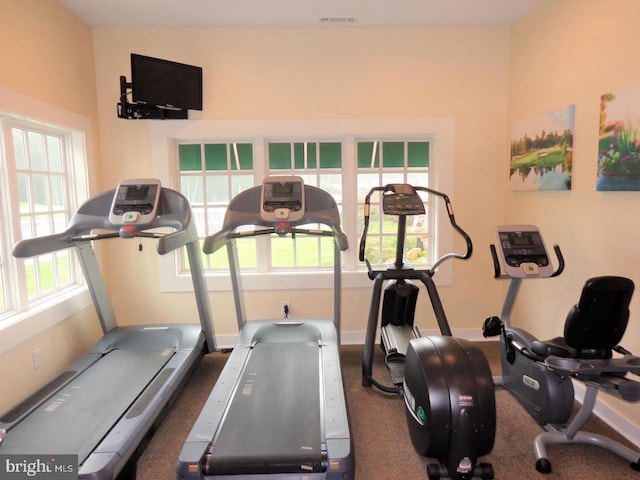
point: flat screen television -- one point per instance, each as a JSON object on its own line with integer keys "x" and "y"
{"x": 165, "y": 83}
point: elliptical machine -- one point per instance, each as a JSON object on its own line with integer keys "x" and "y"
{"x": 446, "y": 382}
{"x": 539, "y": 373}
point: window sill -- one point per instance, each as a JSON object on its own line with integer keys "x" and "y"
{"x": 304, "y": 280}
{"x": 17, "y": 328}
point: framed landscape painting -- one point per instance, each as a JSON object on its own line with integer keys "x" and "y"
{"x": 619, "y": 141}
{"x": 542, "y": 151}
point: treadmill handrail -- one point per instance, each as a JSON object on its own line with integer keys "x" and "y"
{"x": 173, "y": 212}
{"x": 244, "y": 210}
{"x": 219, "y": 239}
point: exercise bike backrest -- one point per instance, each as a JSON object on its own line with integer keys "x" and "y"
{"x": 596, "y": 324}
{"x": 402, "y": 199}
{"x": 602, "y": 298}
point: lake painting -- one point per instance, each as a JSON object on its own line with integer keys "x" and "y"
{"x": 542, "y": 151}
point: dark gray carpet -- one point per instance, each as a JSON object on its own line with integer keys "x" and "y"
{"x": 382, "y": 443}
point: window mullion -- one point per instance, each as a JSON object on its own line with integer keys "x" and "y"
{"x": 261, "y": 168}
{"x": 350, "y": 200}
{"x": 16, "y": 274}
{"x": 7, "y": 267}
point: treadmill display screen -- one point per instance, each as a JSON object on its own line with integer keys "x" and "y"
{"x": 282, "y": 189}
{"x": 282, "y": 200}
{"x": 136, "y": 192}
{"x": 139, "y": 198}
{"x": 135, "y": 202}
{"x": 282, "y": 195}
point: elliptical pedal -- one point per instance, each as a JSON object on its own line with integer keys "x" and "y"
{"x": 395, "y": 364}
{"x": 394, "y": 342}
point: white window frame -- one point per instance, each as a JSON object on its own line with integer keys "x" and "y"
{"x": 439, "y": 132}
{"x": 28, "y": 320}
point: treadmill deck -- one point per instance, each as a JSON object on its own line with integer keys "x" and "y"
{"x": 261, "y": 429}
{"x": 278, "y": 409}
{"x": 77, "y": 417}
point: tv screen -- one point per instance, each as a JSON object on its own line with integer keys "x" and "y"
{"x": 165, "y": 83}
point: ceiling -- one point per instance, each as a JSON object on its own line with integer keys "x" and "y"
{"x": 297, "y": 13}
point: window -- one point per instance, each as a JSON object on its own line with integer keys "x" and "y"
{"x": 211, "y": 174}
{"x": 42, "y": 181}
{"x": 320, "y": 164}
{"x": 381, "y": 162}
{"x": 341, "y": 157}
{"x": 43, "y": 208}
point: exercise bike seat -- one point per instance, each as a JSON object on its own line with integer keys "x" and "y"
{"x": 596, "y": 324}
{"x": 593, "y": 328}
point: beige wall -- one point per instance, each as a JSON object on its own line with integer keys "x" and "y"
{"x": 564, "y": 52}
{"x": 325, "y": 74}
{"x": 571, "y": 52}
{"x": 47, "y": 55}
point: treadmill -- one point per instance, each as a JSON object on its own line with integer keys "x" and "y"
{"x": 105, "y": 405}
{"x": 278, "y": 409}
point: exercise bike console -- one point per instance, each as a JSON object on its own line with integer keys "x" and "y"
{"x": 522, "y": 252}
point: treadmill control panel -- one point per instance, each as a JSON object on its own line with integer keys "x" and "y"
{"x": 522, "y": 251}
{"x": 135, "y": 202}
{"x": 282, "y": 199}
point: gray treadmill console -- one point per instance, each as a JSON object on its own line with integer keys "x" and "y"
{"x": 522, "y": 251}
{"x": 282, "y": 199}
{"x": 135, "y": 202}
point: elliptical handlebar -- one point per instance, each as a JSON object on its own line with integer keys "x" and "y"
{"x": 456, "y": 227}
{"x": 452, "y": 221}
{"x": 363, "y": 239}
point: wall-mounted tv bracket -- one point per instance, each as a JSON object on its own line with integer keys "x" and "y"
{"x": 138, "y": 111}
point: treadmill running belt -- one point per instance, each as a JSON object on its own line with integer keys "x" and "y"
{"x": 273, "y": 424}
{"x": 77, "y": 417}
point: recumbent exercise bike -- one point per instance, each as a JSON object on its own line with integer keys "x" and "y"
{"x": 539, "y": 373}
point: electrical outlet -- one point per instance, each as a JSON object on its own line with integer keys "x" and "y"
{"x": 37, "y": 361}
{"x": 285, "y": 307}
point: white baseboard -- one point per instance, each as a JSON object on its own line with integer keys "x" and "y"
{"x": 357, "y": 338}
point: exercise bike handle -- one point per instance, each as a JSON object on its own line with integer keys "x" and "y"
{"x": 497, "y": 269}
